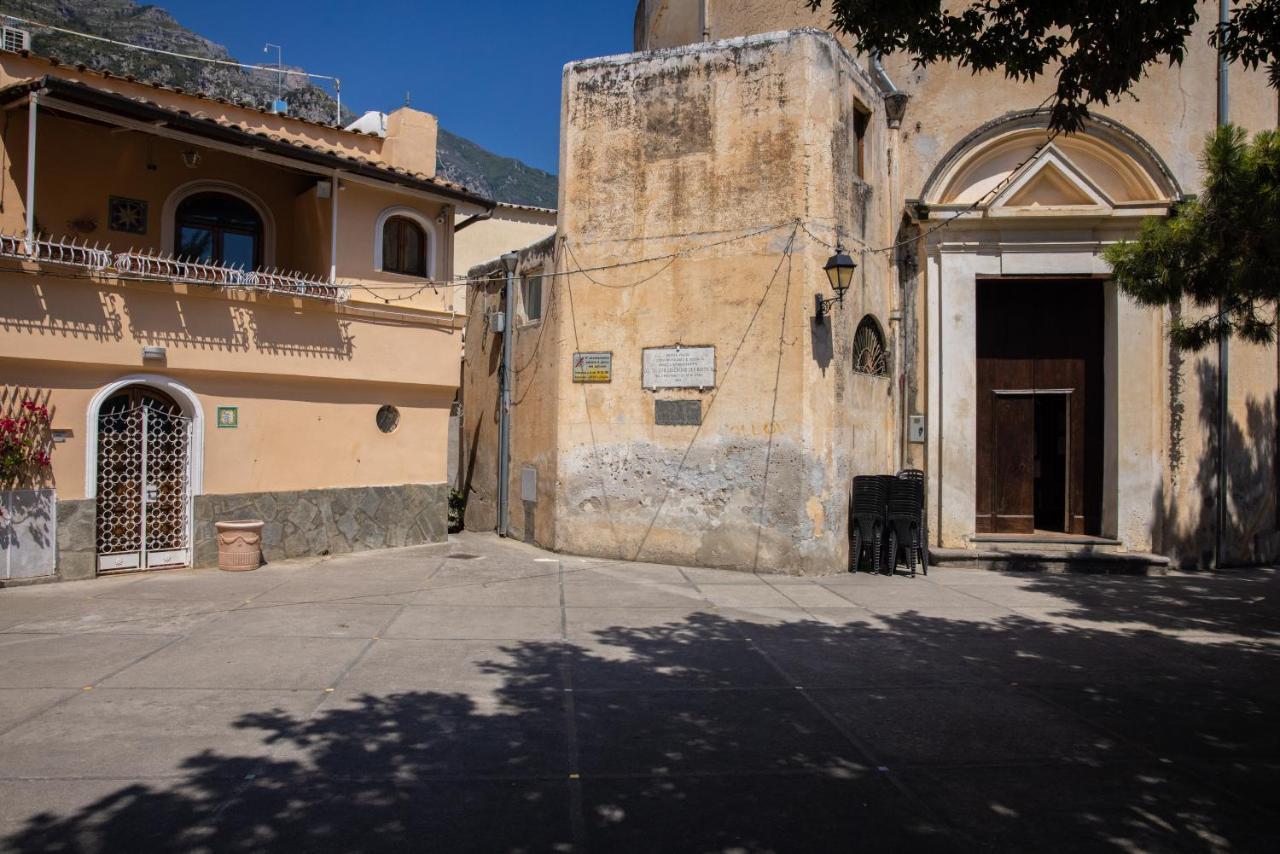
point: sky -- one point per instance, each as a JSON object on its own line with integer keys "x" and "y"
{"x": 490, "y": 71}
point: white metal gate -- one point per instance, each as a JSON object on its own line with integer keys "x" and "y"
{"x": 144, "y": 489}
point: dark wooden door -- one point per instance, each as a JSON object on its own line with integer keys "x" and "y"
{"x": 1039, "y": 405}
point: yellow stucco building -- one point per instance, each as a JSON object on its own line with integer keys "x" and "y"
{"x": 229, "y": 314}
{"x": 705, "y": 180}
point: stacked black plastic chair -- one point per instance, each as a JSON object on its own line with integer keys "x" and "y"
{"x": 868, "y": 522}
{"x": 906, "y": 521}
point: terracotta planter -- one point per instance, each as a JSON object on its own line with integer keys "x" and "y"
{"x": 239, "y": 545}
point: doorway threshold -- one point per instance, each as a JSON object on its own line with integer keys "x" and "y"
{"x": 1045, "y": 538}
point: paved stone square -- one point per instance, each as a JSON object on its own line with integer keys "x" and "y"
{"x": 487, "y": 696}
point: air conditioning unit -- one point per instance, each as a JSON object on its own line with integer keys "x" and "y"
{"x": 15, "y": 40}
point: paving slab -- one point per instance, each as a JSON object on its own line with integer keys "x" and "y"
{"x": 686, "y": 732}
{"x": 72, "y": 661}
{"x": 107, "y": 813}
{"x": 538, "y": 591}
{"x": 291, "y": 814}
{"x": 481, "y": 670}
{"x": 409, "y": 736}
{"x": 585, "y": 623}
{"x": 128, "y": 616}
{"x": 18, "y": 704}
{"x": 661, "y": 664}
{"x": 649, "y": 594}
{"x": 785, "y": 812}
{"x": 286, "y": 663}
{"x": 654, "y": 708}
{"x": 143, "y": 732}
{"x": 956, "y": 725}
{"x": 746, "y": 596}
{"x": 195, "y": 584}
{"x": 310, "y": 619}
{"x": 476, "y": 622}
{"x": 1079, "y": 808}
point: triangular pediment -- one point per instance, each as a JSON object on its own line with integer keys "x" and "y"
{"x": 1049, "y": 183}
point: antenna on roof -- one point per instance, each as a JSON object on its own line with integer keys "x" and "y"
{"x": 279, "y": 106}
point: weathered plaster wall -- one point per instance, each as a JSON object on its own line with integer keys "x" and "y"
{"x": 536, "y": 373}
{"x": 511, "y": 227}
{"x": 716, "y": 151}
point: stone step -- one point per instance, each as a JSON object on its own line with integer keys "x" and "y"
{"x": 1085, "y": 558}
{"x": 1063, "y": 545}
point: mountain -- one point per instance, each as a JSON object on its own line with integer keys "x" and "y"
{"x": 458, "y": 159}
{"x": 502, "y": 178}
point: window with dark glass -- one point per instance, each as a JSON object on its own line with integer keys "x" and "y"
{"x": 218, "y": 228}
{"x": 404, "y": 247}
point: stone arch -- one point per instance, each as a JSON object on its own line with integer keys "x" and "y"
{"x": 1014, "y": 166}
{"x": 183, "y": 396}
{"x": 170, "y": 210}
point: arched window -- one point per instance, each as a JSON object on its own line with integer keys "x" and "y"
{"x": 869, "y": 356}
{"x": 218, "y": 228}
{"x": 404, "y": 247}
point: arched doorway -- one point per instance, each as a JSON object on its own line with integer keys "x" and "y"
{"x": 143, "y": 469}
{"x": 1042, "y": 377}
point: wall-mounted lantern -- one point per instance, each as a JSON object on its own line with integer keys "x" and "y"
{"x": 839, "y": 269}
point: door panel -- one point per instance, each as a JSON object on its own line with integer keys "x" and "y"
{"x": 1013, "y": 446}
{"x": 1041, "y": 336}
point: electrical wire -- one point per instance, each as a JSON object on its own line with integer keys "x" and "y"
{"x": 209, "y": 59}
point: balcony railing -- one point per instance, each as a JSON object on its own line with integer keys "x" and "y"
{"x": 154, "y": 266}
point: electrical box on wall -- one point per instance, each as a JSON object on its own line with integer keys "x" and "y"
{"x": 528, "y": 483}
{"x": 915, "y": 429}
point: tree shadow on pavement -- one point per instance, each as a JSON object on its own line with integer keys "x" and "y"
{"x": 745, "y": 733}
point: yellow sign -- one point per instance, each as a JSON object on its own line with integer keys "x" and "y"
{"x": 592, "y": 367}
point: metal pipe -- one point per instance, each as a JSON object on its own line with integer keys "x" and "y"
{"x": 1220, "y": 544}
{"x": 32, "y": 105}
{"x": 504, "y": 401}
{"x": 706, "y": 20}
{"x": 333, "y": 228}
{"x": 881, "y": 74}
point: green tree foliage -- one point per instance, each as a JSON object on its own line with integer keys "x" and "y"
{"x": 1220, "y": 251}
{"x": 1098, "y": 49}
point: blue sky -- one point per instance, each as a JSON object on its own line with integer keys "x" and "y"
{"x": 489, "y": 70}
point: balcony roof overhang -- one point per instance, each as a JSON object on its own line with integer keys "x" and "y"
{"x": 87, "y": 102}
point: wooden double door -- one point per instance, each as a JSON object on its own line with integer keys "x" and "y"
{"x": 1039, "y": 405}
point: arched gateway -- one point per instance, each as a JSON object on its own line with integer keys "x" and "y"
{"x": 142, "y": 437}
{"x": 1043, "y": 379}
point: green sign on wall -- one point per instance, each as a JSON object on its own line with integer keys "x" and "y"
{"x": 228, "y": 416}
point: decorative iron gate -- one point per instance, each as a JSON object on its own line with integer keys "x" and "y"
{"x": 144, "y": 489}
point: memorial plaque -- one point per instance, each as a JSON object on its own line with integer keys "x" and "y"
{"x": 679, "y": 367}
{"x": 592, "y": 367}
{"x": 677, "y": 413}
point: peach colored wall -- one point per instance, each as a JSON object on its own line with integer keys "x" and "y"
{"x": 292, "y": 435}
{"x": 80, "y": 165}
{"x": 359, "y": 208}
{"x": 64, "y": 320}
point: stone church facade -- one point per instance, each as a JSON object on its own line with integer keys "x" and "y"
{"x": 705, "y": 180}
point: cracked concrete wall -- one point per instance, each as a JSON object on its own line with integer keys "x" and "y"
{"x": 718, "y": 150}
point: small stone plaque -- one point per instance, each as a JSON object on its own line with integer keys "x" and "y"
{"x": 679, "y": 367}
{"x": 677, "y": 413}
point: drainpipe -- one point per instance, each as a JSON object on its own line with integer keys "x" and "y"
{"x": 504, "y": 397}
{"x": 333, "y": 228}
{"x": 32, "y": 102}
{"x": 1220, "y": 545}
{"x": 705, "y": 14}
